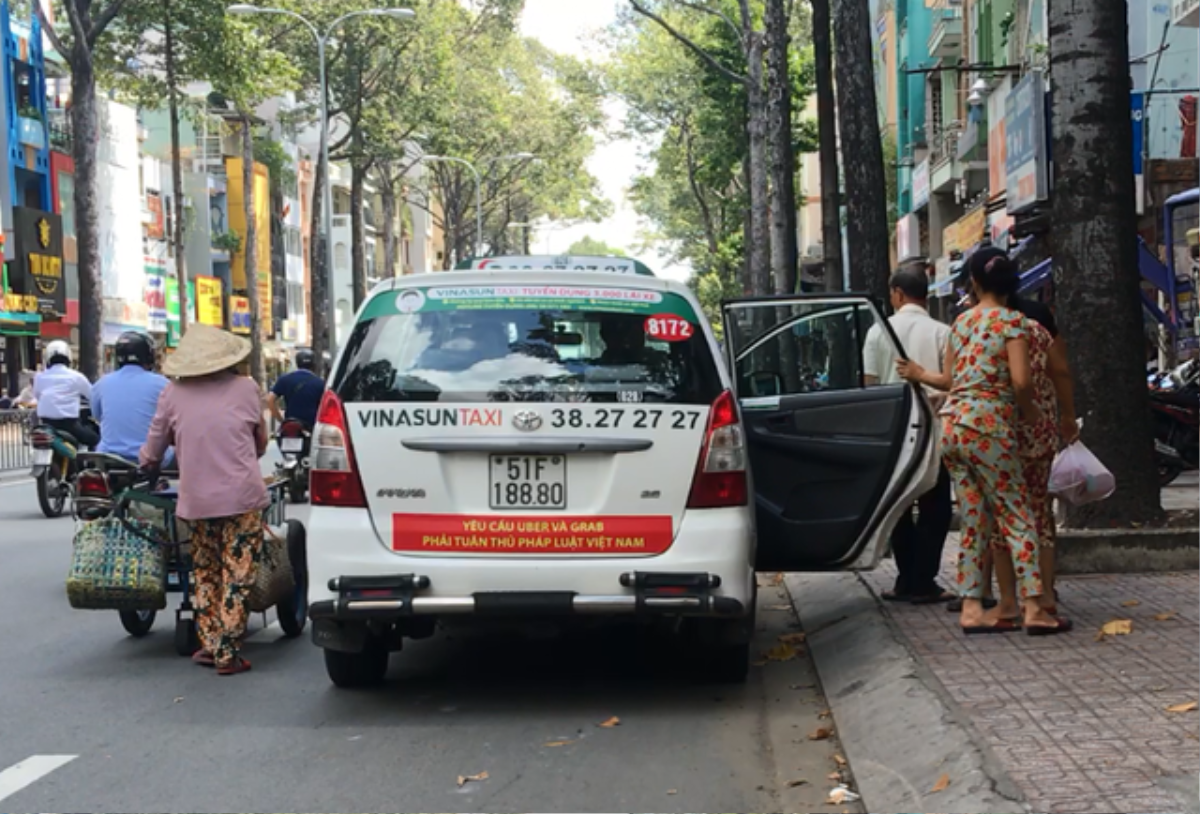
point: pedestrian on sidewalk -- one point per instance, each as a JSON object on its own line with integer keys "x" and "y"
{"x": 213, "y": 417}
{"x": 989, "y": 376}
{"x": 916, "y": 544}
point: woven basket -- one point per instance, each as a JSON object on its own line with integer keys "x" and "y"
{"x": 114, "y": 568}
{"x": 273, "y": 580}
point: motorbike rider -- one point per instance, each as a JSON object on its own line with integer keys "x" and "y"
{"x": 59, "y": 391}
{"x": 125, "y": 400}
{"x": 301, "y": 391}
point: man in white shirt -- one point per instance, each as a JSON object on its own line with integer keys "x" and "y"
{"x": 917, "y": 545}
{"x": 59, "y": 391}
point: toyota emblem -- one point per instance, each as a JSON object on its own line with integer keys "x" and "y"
{"x": 527, "y": 420}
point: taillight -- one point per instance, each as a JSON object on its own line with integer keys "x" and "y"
{"x": 40, "y": 439}
{"x": 291, "y": 429}
{"x": 721, "y": 474}
{"x": 333, "y": 478}
{"x": 91, "y": 483}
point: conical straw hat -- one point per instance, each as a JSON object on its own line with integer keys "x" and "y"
{"x": 204, "y": 350}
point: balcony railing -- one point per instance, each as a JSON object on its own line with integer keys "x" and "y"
{"x": 947, "y": 38}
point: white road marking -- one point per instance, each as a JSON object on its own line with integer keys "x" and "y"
{"x": 261, "y": 635}
{"x": 30, "y": 770}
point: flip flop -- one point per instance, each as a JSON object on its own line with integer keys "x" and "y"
{"x": 956, "y": 604}
{"x": 238, "y": 665}
{"x": 1001, "y": 626}
{"x": 1063, "y": 625}
{"x": 203, "y": 658}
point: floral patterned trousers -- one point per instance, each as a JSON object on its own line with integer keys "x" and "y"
{"x": 225, "y": 556}
{"x": 993, "y": 499}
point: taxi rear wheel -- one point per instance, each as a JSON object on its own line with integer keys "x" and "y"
{"x": 351, "y": 670}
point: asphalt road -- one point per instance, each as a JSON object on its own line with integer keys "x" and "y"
{"x": 91, "y": 720}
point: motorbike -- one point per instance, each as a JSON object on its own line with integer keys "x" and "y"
{"x": 1175, "y": 406}
{"x": 294, "y": 440}
{"x": 54, "y": 465}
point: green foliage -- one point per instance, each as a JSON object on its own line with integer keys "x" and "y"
{"x": 279, "y": 164}
{"x": 227, "y": 241}
{"x": 587, "y": 246}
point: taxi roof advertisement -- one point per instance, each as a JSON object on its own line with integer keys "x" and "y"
{"x": 529, "y": 297}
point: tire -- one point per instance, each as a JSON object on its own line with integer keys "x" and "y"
{"x": 354, "y": 670}
{"x": 293, "y": 612}
{"x": 728, "y": 664}
{"x": 137, "y": 623}
{"x": 51, "y": 493}
{"x": 1167, "y": 473}
{"x": 187, "y": 641}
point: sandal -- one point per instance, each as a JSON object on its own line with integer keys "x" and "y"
{"x": 203, "y": 658}
{"x": 1061, "y": 625}
{"x": 1001, "y": 626}
{"x": 238, "y": 665}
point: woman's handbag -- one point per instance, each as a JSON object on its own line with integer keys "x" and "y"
{"x": 116, "y": 565}
{"x": 274, "y": 579}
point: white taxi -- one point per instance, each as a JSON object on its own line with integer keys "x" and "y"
{"x": 547, "y": 439}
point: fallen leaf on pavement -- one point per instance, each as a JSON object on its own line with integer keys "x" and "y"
{"x": 1131, "y": 603}
{"x": 777, "y": 579}
{"x": 834, "y": 776}
{"x": 1115, "y": 627}
{"x": 942, "y": 784}
{"x": 794, "y": 783}
{"x": 779, "y": 607}
{"x": 792, "y": 638}
{"x": 823, "y": 714}
{"x": 781, "y": 652}
{"x": 1165, "y": 615}
{"x": 556, "y": 744}
{"x": 842, "y": 795}
{"x": 839, "y": 760}
{"x": 610, "y": 723}
{"x": 672, "y": 791}
{"x": 464, "y": 779}
{"x": 820, "y": 734}
{"x": 1190, "y": 706}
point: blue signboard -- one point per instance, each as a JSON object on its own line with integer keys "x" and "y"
{"x": 1137, "y": 110}
{"x": 1025, "y": 143}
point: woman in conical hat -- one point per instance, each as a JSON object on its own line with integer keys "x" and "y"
{"x": 213, "y": 417}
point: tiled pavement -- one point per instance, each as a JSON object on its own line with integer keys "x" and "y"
{"x": 1080, "y": 724}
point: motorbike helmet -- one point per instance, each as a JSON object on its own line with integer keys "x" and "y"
{"x": 134, "y": 348}
{"x": 305, "y": 359}
{"x": 57, "y": 352}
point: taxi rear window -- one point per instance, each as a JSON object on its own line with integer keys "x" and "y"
{"x": 528, "y": 343}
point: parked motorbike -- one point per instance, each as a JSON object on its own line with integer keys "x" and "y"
{"x": 294, "y": 440}
{"x": 1175, "y": 406}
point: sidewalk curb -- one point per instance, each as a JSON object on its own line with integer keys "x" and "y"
{"x": 900, "y": 730}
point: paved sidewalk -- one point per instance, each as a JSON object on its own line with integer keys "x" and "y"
{"x": 1079, "y": 722}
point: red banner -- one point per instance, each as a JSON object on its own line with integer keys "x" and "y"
{"x": 463, "y": 534}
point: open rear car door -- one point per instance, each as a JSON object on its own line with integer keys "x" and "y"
{"x": 833, "y": 462}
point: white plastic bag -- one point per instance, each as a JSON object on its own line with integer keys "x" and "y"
{"x": 1078, "y": 477}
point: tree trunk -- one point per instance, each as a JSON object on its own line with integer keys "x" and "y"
{"x": 178, "y": 246}
{"x": 389, "y": 227}
{"x": 758, "y": 238}
{"x": 319, "y": 275}
{"x": 862, "y": 149}
{"x": 358, "y": 237}
{"x": 784, "y": 254}
{"x": 831, "y": 194}
{"x": 250, "y": 252}
{"x": 1095, "y": 254}
{"x": 85, "y": 126}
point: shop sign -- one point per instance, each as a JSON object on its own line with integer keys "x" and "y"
{"x": 1025, "y": 165}
{"x": 209, "y": 302}
{"x": 942, "y": 270}
{"x": 908, "y": 238}
{"x": 965, "y": 232}
{"x": 37, "y": 270}
{"x": 291, "y": 331}
{"x": 156, "y": 303}
{"x": 920, "y": 185}
{"x": 174, "y": 326}
{"x": 154, "y": 227}
{"x": 124, "y": 313}
{"x": 20, "y": 303}
{"x": 239, "y": 315}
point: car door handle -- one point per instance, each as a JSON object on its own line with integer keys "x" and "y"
{"x": 524, "y": 445}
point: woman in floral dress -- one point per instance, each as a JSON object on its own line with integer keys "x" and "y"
{"x": 990, "y": 381}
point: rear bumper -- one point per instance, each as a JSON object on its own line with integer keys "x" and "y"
{"x": 708, "y": 571}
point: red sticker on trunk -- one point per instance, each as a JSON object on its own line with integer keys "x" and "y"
{"x": 669, "y": 328}
{"x": 623, "y": 535}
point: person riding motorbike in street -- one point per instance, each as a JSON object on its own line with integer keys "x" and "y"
{"x": 301, "y": 391}
{"x": 125, "y": 400}
{"x": 59, "y": 390}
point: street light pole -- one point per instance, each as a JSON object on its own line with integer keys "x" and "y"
{"x": 327, "y": 189}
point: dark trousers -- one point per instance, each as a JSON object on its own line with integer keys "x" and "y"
{"x": 84, "y": 434}
{"x": 917, "y": 544}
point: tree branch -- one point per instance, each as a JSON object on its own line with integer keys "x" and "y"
{"x": 75, "y": 16}
{"x": 102, "y": 20}
{"x": 51, "y": 34}
{"x": 712, "y": 62}
{"x": 734, "y": 27}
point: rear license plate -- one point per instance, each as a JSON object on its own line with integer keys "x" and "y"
{"x": 527, "y": 482}
{"x": 291, "y": 444}
{"x": 42, "y": 457}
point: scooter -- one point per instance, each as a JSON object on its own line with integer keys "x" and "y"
{"x": 1175, "y": 406}
{"x": 54, "y": 467}
{"x": 294, "y": 440}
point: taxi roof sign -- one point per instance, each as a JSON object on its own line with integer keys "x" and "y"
{"x": 610, "y": 265}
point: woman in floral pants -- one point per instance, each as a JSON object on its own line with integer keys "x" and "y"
{"x": 990, "y": 379}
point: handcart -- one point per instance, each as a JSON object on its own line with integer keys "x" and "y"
{"x": 145, "y": 500}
